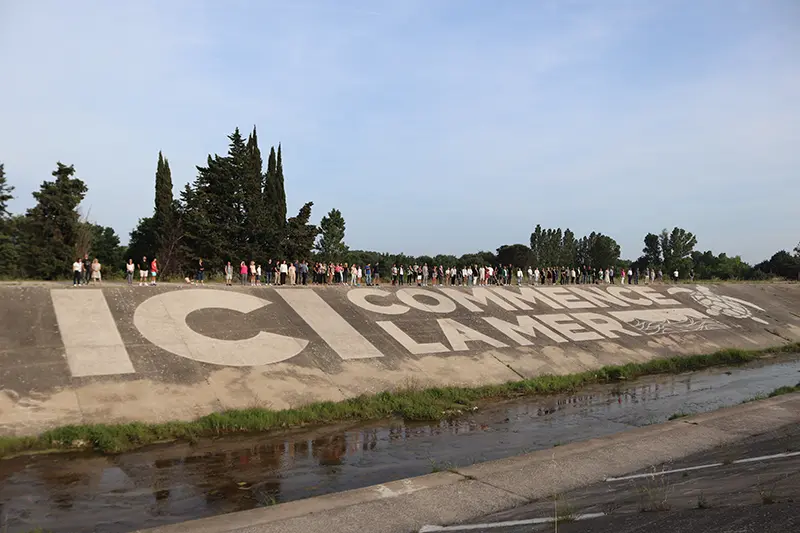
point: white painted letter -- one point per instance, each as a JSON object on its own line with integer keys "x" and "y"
{"x": 91, "y": 338}
{"x": 408, "y": 343}
{"x": 526, "y": 295}
{"x": 567, "y": 327}
{"x": 525, "y": 325}
{"x": 479, "y": 295}
{"x": 657, "y": 298}
{"x": 359, "y": 297}
{"x": 458, "y": 335}
{"x": 443, "y": 304}
{"x": 617, "y": 291}
{"x": 565, "y": 298}
{"x": 598, "y": 297}
{"x": 162, "y": 320}
{"x": 605, "y": 325}
{"x": 334, "y": 330}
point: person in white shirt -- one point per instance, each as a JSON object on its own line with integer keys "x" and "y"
{"x": 77, "y": 270}
{"x": 129, "y": 269}
{"x": 536, "y": 274}
{"x": 519, "y": 277}
{"x": 284, "y": 271}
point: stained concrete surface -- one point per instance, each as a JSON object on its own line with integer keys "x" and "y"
{"x": 762, "y": 495}
{"x": 40, "y": 387}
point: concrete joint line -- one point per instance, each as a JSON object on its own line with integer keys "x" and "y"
{"x": 508, "y": 366}
{"x": 469, "y": 477}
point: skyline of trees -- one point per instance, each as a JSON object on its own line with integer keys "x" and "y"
{"x": 236, "y": 210}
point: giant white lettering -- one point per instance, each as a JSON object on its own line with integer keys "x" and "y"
{"x": 405, "y": 340}
{"x": 526, "y": 326}
{"x": 598, "y": 297}
{"x": 569, "y": 328}
{"x": 617, "y": 291}
{"x": 657, "y": 298}
{"x": 162, "y": 321}
{"x": 603, "y": 324}
{"x": 443, "y": 304}
{"x": 359, "y": 297}
{"x": 479, "y": 295}
{"x": 91, "y": 338}
{"x": 345, "y": 340}
{"x": 526, "y": 295}
{"x": 565, "y": 298}
{"x": 458, "y": 335}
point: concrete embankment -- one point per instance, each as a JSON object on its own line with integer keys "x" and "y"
{"x": 119, "y": 353}
{"x": 467, "y": 494}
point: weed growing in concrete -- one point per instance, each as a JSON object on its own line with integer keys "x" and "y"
{"x": 654, "y": 494}
{"x": 445, "y": 466}
{"x": 563, "y": 511}
{"x": 702, "y": 501}
{"x": 410, "y": 403}
{"x": 767, "y": 492}
{"x": 784, "y": 390}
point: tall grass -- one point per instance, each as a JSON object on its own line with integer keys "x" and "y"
{"x": 411, "y": 404}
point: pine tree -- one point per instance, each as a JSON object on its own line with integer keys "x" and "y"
{"x": 9, "y": 256}
{"x": 275, "y": 203}
{"x": 331, "y": 244}
{"x": 300, "y": 235}
{"x": 5, "y": 193}
{"x": 51, "y": 226}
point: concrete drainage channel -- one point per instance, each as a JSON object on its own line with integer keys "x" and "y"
{"x": 478, "y": 497}
{"x": 168, "y": 484}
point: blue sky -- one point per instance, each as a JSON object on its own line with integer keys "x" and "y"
{"x": 436, "y": 126}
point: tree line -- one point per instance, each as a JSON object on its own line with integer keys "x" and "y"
{"x": 235, "y": 210}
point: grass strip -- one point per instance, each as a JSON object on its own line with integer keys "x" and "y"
{"x": 410, "y": 403}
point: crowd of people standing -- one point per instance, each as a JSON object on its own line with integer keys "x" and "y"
{"x": 283, "y": 272}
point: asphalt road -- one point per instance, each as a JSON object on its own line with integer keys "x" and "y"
{"x": 751, "y": 486}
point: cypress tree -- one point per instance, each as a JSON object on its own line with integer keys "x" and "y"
{"x": 164, "y": 199}
{"x": 254, "y": 227}
{"x": 280, "y": 192}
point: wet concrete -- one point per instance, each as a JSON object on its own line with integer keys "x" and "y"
{"x": 167, "y": 484}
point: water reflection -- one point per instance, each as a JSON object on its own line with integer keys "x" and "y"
{"x": 164, "y": 484}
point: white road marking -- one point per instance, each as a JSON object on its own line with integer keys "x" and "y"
{"x": 509, "y": 523}
{"x": 345, "y": 340}
{"x": 710, "y": 465}
{"x": 91, "y": 338}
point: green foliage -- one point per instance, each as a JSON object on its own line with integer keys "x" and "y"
{"x": 410, "y": 403}
{"x": 677, "y": 247}
{"x": 51, "y": 226}
{"x": 331, "y": 246}
{"x": 514, "y": 254}
{"x": 300, "y": 235}
{"x": 652, "y": 251}
{"x": 708, "y": 266}
{"x": 782, "y": 264}
{"x": 5, "y": 193}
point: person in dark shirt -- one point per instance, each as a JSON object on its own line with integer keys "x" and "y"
{"x": 144, "y": 268}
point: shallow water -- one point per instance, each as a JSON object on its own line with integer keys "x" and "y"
{"x": 172, "y": 483}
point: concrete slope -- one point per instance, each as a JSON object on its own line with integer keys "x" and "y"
{"x": 120, "y": 353}
{"x": 490, "y": 491}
